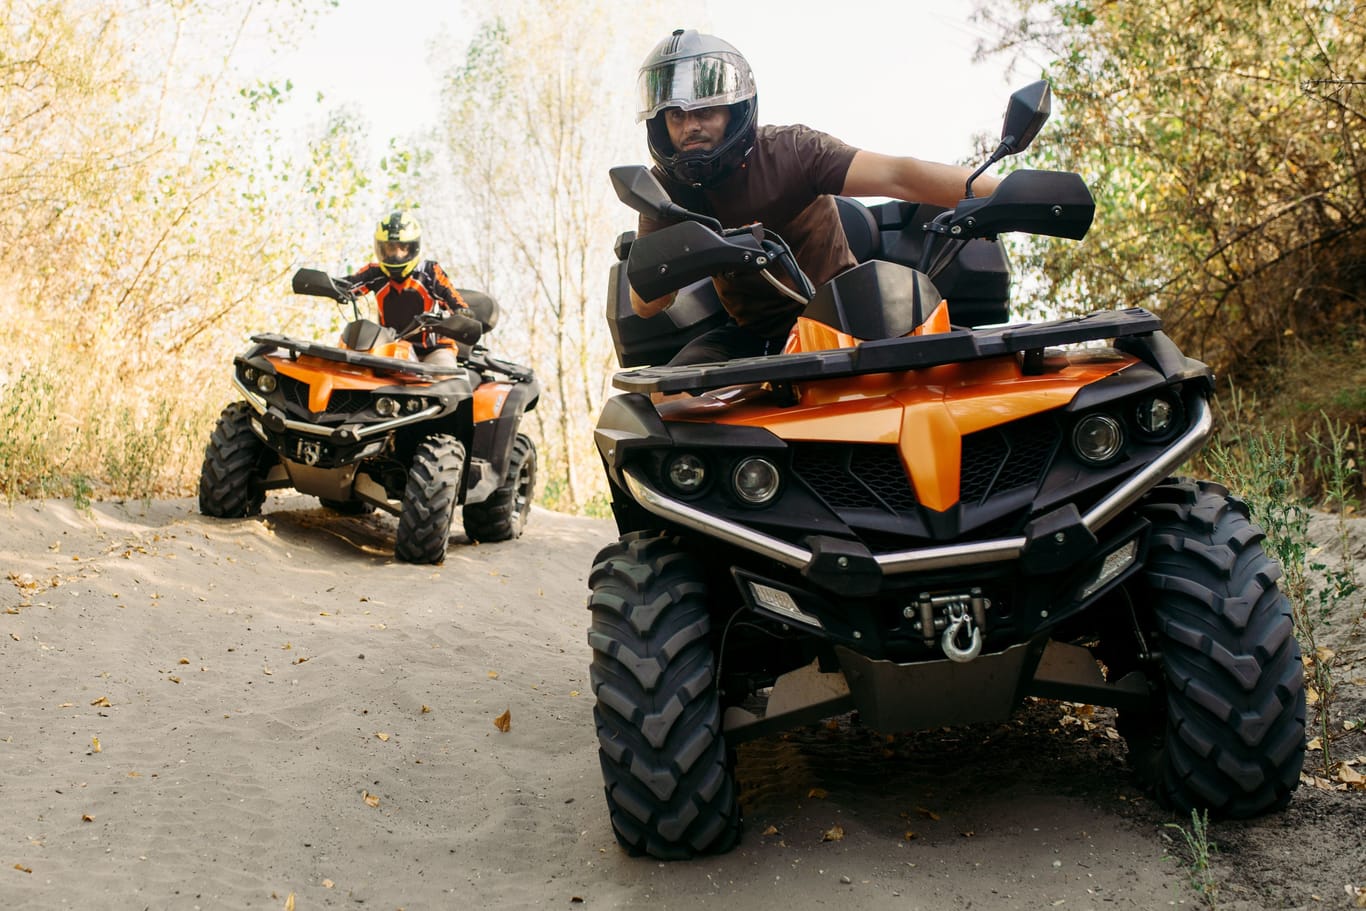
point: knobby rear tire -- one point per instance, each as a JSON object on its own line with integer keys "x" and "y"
{"x": 503, "y": 515}
{"x": 669, "y": 781}
{"x": 1228, "y": 733}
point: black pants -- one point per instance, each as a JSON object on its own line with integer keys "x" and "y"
{"x": 727, "y": 342}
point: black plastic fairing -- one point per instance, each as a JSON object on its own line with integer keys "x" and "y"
{"x": 1050, "y": 203}
{"x": 875, "y": 300}
{"x": 672, "y": 257}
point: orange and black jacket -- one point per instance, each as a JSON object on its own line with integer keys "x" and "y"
{"x": 426, "y": 288}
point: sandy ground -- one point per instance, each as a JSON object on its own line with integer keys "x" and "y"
{"x": 273, "y": 713}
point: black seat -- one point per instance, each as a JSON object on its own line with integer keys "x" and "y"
{"x": 860, "y": 228}
{"x": 482, "y": 307}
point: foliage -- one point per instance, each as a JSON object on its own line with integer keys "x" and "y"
{"x": 1223, "y": 142}
{"x": 1263, "y": 466}
{"x": 537, "y": 111}
{"x": 1198, "y": 849}
{"x": 142, "y": 243}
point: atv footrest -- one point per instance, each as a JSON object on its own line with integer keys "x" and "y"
{"x": 891, "y": 355}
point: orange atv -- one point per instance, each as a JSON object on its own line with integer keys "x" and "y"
{"x": 918, "y": 519}
{"x": 365, "y": 424}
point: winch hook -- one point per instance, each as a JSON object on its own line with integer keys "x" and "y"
{"x": 961, "y": 623}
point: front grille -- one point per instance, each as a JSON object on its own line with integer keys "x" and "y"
{"x": 855, "y": 477}
{"x": 342, "y": 401}
{"x": 1006, "y": 458}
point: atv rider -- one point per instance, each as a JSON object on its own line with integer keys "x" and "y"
{"x": 697, "y": 96}
{"x": 404, "y": 286}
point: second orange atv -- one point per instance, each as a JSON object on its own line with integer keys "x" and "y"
{"x": 364, "y": 424}
{"x": 918, "y": 519}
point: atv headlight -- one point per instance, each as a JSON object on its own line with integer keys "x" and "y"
{"x": 265, "y": 383}
{"x": 386, "y": 406}
{"x": 686, "y": 472}
{"x": 755, "y": 480}
{"x": 1157, "y": 416}
{"x": 1097, "y": 438}
{"x": 415, "y": 404}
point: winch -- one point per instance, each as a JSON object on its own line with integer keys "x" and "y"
{"x": 958, "y": 620}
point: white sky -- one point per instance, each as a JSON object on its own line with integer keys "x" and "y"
{"x": 891, "y": 76}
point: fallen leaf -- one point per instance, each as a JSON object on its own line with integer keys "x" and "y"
{"x": 15, "y": 637}
{"x": 928, "y": 814}
{"x": 95, "y": 745}
{"x": 909, "y": 835}
{"x": 832, "y": 725}
{"x": 504, "y": 721}
{"x": 818, "y": 793}
{"x": 183, "y": 661}
{"x": 382, "y": 736}
{"x": 1352, "y": 777}
{"x": 289, "y": 902}
{"x": 771, "y": 830}
{"x": 173, "y": 679}
{"x": 66, "y": 705}
{"x": 23, "y": 869}
{"x": 493, "y": 675}
{"x": 426, "y": 709}
{"x": 328, "y": 884}
{"x": 835, "y": 833}
{"x": 370, "y": 799}
{"x": 301, "y": 659}
{"x": 573, "y": 692}
{"x": 265, "y": 669}
{"x": 86, "y": 817}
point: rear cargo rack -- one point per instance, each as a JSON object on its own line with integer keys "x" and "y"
{"x": 893, "y": 354}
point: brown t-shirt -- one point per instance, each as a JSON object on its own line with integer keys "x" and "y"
{"x": 788, "y": 184}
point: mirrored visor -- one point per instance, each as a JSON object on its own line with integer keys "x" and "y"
{"x": 692, "y": 83}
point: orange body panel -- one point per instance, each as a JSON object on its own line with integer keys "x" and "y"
{"x": 925, "y": 413}
{"x": 322, "y": 376}
{"x": 489, "y": 399}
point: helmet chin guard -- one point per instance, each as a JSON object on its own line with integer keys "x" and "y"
{"x": 689, "y": 71}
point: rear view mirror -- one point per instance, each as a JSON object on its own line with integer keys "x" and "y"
{"x": 637, "y": 187}
{"x": 1025, "y": 115}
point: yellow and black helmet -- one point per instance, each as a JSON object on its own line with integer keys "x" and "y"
{"x": 398, "y": 243}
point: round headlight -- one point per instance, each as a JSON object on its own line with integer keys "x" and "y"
{"x": 686, "y": 472}
{"x": 249, "y": 374}
{"x": 1156, "y": 416}
{"x": 266, "y": 383}
{"x": 1097, "y": 438}
{"x": 386, "y": 406}
{"x": 415, "y": 404}
{"x": 755, "y": 480}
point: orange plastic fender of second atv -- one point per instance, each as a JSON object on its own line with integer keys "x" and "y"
{"x": 489, "y": 399}
{"x": 322, "y": 376}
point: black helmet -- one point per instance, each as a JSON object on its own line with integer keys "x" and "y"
{"x": 689, "y": 70}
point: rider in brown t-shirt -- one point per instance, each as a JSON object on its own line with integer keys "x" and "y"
{"x": 697, "y": 96}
